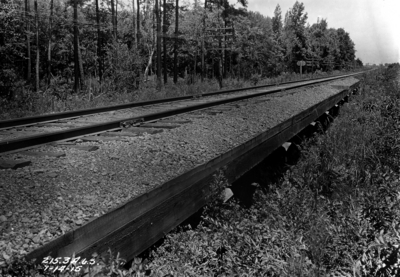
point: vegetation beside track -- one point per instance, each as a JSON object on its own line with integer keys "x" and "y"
{"x": 30, "y": 103}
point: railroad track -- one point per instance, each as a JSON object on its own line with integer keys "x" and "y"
{"x": 25, "y": 133}
{"x": 47, "y": 118}
{"x": 126, "y": 196}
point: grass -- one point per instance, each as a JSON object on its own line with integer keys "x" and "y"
{"x": 57, "y": 96}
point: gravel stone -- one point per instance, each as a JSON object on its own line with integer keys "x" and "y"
{"x": 84, "y": 185}
{"x": 37, "y": 171}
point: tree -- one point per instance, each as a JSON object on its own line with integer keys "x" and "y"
{"x": 37, "y": 47}
{"x": 277, "y": 24}
{"x": 346, "y": 48}
{"x": 254, "y": 46}
{"x": 165, "y": 29}
{"x": 134, "y": 24}
{"x": 99, "y": 44}
{"x": 202, "y": 40}
{"x": 76, "y": 46}
{"x": 295, "y": 36}
{"x": 318, "y": 43}
{"x": 138, "y": 23}
{"x": 278, "y": 50}
{"x": 113, "y": 19}
{"x": 359, "y": 62}
{"x": 49, "y": 47}
{"x": 176, "y": 41}
{"x": 158, "y": 19}
{"x": 28, "y": 41}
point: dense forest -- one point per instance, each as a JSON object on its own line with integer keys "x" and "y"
{"x": 75, "y": 44}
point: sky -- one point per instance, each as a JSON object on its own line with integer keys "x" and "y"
{"x": 373, "y": 25}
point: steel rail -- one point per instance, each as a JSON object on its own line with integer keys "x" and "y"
{"x": 24, "y": 121}
{"x": 14, "y": 145}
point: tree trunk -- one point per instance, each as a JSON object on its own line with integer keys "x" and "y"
{"x": 99, "y": 56}
{"x": 157, "y": 14}
{"x": 81, "y": 72}
{"x": 49, "y": 49}
{"x": 230, "y": 64}
{"x": 153, "y": 32}
{"x": 220, "y": 53}
{"x": 37, "y": 47}
{"x": 165, "y": 40}
{"x": 28, "y": 42}
{"x": 202, "y": 41}
{"x": 138, "y": 23}
{"x": 134, "y": 25}
{"x": 220, "y": 72}
{"x": 176, "y": 41}
{"x": 202, "y": 57}
{"x": 147, "y": 10}
{"x": 76, "y": 45}
{"x": 194, "y": 65}
{"x": 113, "y": 20}
{"x": 239, "y": 70}
{"x": 146, "y": 72}
{"x": 224, "y": 53}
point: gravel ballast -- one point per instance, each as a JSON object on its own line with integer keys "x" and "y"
{"x": 57, "y": 194}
